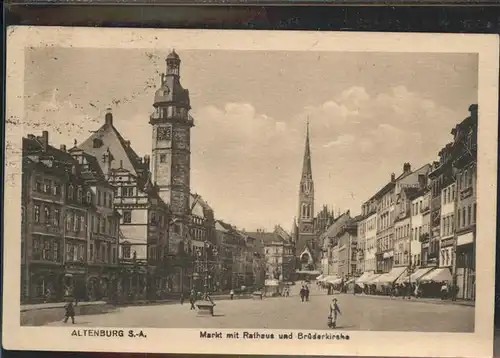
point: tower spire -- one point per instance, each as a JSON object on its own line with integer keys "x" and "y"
{"x": 306, "y": 168}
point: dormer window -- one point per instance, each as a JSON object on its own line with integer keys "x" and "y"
{"x": 97, "y": 143}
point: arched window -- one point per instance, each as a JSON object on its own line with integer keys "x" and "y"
{"x": 71, "y": 191}
{"x": 89, "y": 197}
{"x": 79, "y": 195}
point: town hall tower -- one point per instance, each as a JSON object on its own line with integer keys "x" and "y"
{"x": 171, "y": 156}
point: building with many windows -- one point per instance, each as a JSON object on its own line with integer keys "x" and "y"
{"x": 57, "y": 235}
{"x": 465, "y": 165}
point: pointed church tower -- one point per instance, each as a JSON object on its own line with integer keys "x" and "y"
{"x": 306, "y": 200}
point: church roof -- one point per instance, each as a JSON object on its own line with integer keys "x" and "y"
{"x": 306, "y": 166}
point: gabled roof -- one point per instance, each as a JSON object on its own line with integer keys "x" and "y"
{"x": 121, "y": 150}
{"x": 199, "y": 207}
{"x": 268, "y": 238}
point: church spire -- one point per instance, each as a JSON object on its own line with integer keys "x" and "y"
{"x": 306, "y": 168}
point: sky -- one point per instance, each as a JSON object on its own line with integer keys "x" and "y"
{"x": 369, "y": 113}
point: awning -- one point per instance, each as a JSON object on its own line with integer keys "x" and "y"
{"x": 329, "y": 278}
{"x": 392, "y": 275}
{"x": 438, "y": 275}
{"x": 364, "y": 277}
{"x": 417, "y": 275}
{"x": 306, "y": 272}
{"x": 320, "y": 277}
{"x": 372, "y": 279}
{"x": 350, "y": 281}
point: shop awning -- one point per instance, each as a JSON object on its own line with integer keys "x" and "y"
{"x": 372, "y": 279}
{"x": 438, "y": 275}
{"x": 320, "y": 277}
{"x": 391, "y": 276}
{"x": 364, "y": 277}
{"x": 350, "y": 281}
{"x": 306, "y": 272}
{"x": 333, "y": 280}
{"x": 416, "y": 276}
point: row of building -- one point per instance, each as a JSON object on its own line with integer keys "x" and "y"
{"x": 101, "y": 222}
{"x": 421, "y": 220}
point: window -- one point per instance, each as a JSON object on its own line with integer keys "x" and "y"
{"x": 91, "y": 252}
{"x": 474, "y": 214}
{"x": 76, "y": 223}
{"x": 117, "y": 191}
{"x": 68, "y": 221}
{"x": 97, "y": 143}
{"x": 469, "y": 215}
{"x": 103, "y": 225}
{"x": 46, "y": 213}
{"x": 47, "y": 187}
{"x": 114, "y": 255}
{"x": 39, "y": 185}
{"x": 56, "y": 190}
{"x": 126, "y": 251}
{"x": 127, "y": 217}
{"x": 104, "y": 199}
{"x": 89, "y": 197}
{"x": 459, "y": 216}
{"x": 37, "y": 213}
{"x": 464, "y": 216}
{"x": 98, "y": 197}
{"x": 82, "y": 222}
{"x": 453, "y": 193}
{"x": 57, "y": 217}
{"x": 470, "y": 176}
{"x": 79, "y": 195}
{"x": 70, "y": 192}
{"x": 163, "y": 158}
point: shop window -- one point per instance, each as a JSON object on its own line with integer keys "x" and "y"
{"x": 70, "y": 192}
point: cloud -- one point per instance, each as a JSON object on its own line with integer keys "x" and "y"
{"x": 342, "y": 140}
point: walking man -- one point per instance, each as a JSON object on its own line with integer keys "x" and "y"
{"x": 192, "y": 300}
{"x": 69, "y": 309}
{"x": 334, "y": 311}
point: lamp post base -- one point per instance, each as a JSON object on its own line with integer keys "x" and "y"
{"x": 205, "y": 308}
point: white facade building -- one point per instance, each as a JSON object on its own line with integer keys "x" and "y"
{"x": 370, "y": 246}
{"x": 447, "y": 226}
{"x": 417, "y": 228}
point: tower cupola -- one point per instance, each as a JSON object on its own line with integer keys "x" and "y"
{"x": 173, "y": 64}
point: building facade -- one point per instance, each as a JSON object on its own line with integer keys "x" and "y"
{"x": 465, "y": 165}
{"x": 59, "y": 205}
{"x": 347, "y": 249}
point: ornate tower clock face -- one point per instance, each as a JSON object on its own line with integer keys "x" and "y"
{"x": 164, "y": 133}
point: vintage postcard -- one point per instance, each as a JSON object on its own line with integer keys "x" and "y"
{"x": 250, "y": 192}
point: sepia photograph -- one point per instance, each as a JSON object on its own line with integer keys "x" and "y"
{"x": 229, "y": 188}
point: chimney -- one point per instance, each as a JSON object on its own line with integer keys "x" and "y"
{"x": 421, "y": 181}
{"x": 31, "y": 136}
{"x": 63, "y": 147}
{"x": 108, "y": 117}
{"x": 45, "y": 140}
{"x": 127, "y": 142}
{"x": 473, "y": 110}
{"x": 406, "y": 167}
{"x": 393, "y": 177}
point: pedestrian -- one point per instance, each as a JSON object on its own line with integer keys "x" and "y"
{"x": 182, "y": 298}
{"x": 231, "y": 294}
{"x": 444, "y": 291}
{"x": 334, "y": 311}
{"x": 302, "y": 293}
{"x": 307, "y": 293}
{"x": 69, "y": 309}
{"x": 192, "y": 300}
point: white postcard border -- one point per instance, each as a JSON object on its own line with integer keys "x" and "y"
{"x": 363, "y": 343}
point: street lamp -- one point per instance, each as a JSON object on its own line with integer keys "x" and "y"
{"x": 205, "y": 266}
